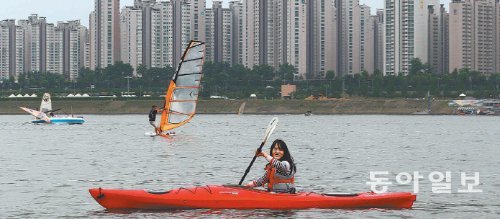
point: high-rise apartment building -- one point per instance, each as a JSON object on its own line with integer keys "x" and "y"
{"x": 379, "y": 40}
{"x": 105, "y": 33}
{"x": 497, "y": 35}
{"x": 184, "y": 15}
{"x": 343, "y": 21}
{"x": 132, "y": 37}
{"x": 438, "y": 57}
{"x": 222, "y": 27}
{"x": 8, "y": 49}
{"x": 218, "y": 33}
{"x": 473, "y": 35}
{"x": 321, "y": 38}
{"x": 37, "y": 46}
{"x": 74, "y": 39}
{"x": 236, "y": 8}
{"x": 265, "y": 30}
{"x": 250, "y": 37}
{"x": 406, "y": 34}
{"x": 12, "y": 49}
{"x": 35, "y": 41}
{"x": 145, "y": 29}
{"x": 296, "y": 37}
{"x": 54, "y": 51}
{"x": 348, "y": 36}
{"x": 4, "y": 50}
{"x": 197, "y": 18}
{"x": 155, "y": 33}
{"x": 210, "y": 35}
{"x": 365, "y": 38}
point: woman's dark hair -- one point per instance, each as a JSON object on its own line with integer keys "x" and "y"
{"x": 286, "y": 154}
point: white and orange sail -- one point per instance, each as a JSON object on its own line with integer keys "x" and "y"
{"x": 182, "y": 94}
{"x": 37, "y": 114}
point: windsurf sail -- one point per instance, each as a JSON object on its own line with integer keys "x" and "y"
{"x": 182, "y": 93}
{"x": 38, "y": 114}
{"x": 46, "y": 104}
{"x": 242, "y": 108}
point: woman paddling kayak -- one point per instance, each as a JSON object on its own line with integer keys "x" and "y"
{"x": 280, "y": 170}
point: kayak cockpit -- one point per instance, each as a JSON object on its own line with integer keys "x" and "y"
{"x": 159, "y": 192}
{"x": 341, "y": 194}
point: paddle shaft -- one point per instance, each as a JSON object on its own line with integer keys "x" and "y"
{"x": 251, "y": 163}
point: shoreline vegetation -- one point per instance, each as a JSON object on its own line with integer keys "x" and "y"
{"x": 397, "y": 106}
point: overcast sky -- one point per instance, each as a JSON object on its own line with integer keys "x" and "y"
{"x": 65, "y": 10}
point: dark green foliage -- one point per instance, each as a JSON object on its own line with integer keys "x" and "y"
{"x": 221, "y": 79}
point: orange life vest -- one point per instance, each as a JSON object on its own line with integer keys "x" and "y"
{"x": 273, "y": 179}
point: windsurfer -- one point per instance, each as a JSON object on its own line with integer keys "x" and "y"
{"x": 280, "y": 170}
{"x": 152, "y": 118}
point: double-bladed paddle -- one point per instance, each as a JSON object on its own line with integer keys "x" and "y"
{"x": 269, "y": 130}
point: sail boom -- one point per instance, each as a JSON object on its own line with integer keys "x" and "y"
{"x": 190, "y": 60}
{"x": 179, "y": 113}
{"x": 194, "y": 73}
{"x": 182, "y": 101}
{"x": 187, "y": 87}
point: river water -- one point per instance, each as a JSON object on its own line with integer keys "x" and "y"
{"x": 46, "y": 170}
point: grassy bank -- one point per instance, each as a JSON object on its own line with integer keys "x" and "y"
{"x": 142, "y": 106}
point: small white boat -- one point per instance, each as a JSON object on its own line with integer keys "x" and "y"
{"x": 45, "y": 115}
{"x": 61, "y": 120}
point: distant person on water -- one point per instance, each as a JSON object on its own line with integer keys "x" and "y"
{"x": 152, "y": 118}
{"x": 280, "y": 170}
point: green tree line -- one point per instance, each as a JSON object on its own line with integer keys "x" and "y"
{"x": 237, "y": 81}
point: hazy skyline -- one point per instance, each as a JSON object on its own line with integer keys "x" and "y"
{"x": 65, "y": 10}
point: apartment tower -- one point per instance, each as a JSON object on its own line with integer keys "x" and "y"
{"x": 365, "y": 38}
{"x": 218, "y": 33}
{"x": 132, "y": 47}
{"x": 8, "y": 61}
{"x": 406, "y": 34}
{"x": 105, "y": 34}
{"x": 438, "y": 39}
{"x": 236, "y": 8}
{"x": 473, "y": 34}
{"x": 321, "y": 38}
{"x": 379, "y": 40}
{"x": 296, "y": 38}
{"x": 265, "y": 31}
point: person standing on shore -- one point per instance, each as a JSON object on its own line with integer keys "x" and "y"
{"x": 152, "y": 118}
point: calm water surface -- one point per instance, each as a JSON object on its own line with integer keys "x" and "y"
{"x": 46, "y": 170}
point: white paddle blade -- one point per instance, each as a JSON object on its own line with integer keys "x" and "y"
{"x": 270, "y": 128}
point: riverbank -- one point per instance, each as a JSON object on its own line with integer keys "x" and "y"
{"x": 142, "y": 106}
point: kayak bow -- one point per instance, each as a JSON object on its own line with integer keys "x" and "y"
{"x": 236, "y": 197}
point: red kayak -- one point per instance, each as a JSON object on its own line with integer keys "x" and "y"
{"x": 236, "y": 197}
